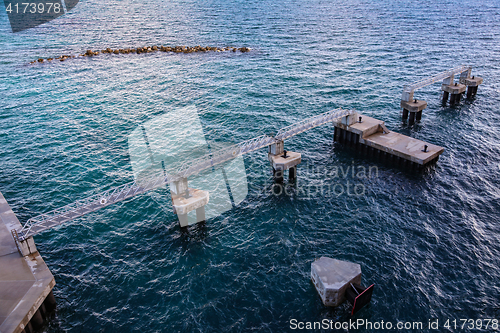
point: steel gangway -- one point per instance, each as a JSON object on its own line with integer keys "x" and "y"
{"x": 463, "y": 70}
{"x": 56, "y": 217}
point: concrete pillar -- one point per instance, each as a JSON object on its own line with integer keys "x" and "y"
{"x": 37, "y": 320}
{"x": 28, "y": 328}
{"x": 335, "y": 133}
{"x": 183, "y": 220}
{"x": 470, "y": 90}
{"x": 180, "y": 187}
{"x": 357, "y": 145}
{"x": 412, "y": 118}
{"x": 50, "y": 302}
{"x": 445, "y": 96}
{"x": 405, "y": 114}
{"x": 292, "y": 173}
{"x": 449, "y": 80}
{"x": 419, "y": 115}
{"x": 277, "y": 148}
{"x": 43, "y": 311}
{"x": 455, "y": 98}
{"x": 200, "y": 214}
{"x": 278, "y": 175}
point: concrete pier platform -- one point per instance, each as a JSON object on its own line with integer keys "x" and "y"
{"x": 25, "y": 282}
{"x": 453, "y": 88}
{"x": 280, "y": 162}
{"x": 473, "y": 81}
{"x": 414, "y": 106}
{"x": 196, "y": 200}
{"x": 371, "y": 137}
{"x": 414, "y": 109}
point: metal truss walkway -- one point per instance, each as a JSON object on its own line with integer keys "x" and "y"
{"x": 464, "y": 72}
{"x": 38, "y": 224}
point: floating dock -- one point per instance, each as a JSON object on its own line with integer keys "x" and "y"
{"x": 370, "y": 136}
{"x": 26, "y": 283}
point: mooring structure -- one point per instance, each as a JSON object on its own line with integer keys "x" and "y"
{"x": 413, "y": 107}
{"x": 362, "y": 133}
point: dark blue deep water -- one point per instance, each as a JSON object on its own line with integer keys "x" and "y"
{"x": 430, "y": 242}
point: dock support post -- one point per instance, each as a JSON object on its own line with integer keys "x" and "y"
{"x": 37, "y": 320}
{"x": 445, "y": 96}
{"x": 183, "y": 220}
{"x": 50, "y": 302}
{"x": 292, "y": 173}
{"x": 412, "y": 118}
{"x": 200, "y": 214}
{"x": 455, "y": 98}
{"x": 405, "y": 114}
{"x": 28, "y": 328}
{"x": 469, "y": 91}
{"x": 278, "y": 175}
{"x": 419, "y": 115}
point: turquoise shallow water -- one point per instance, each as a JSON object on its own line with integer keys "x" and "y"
{"x": 429, "y": 241}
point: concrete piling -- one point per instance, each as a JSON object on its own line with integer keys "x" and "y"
{"x": 37, "y": 320}
{"x": 278, "y": 175}
{"x": 418, "y": 115}
{"x": 200, "y": 214}
{"x": 405, "y": 114}
{"x": 292, "y": 173}
{"x": 445, "y": 96}
{"x": 411, "y": 121}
